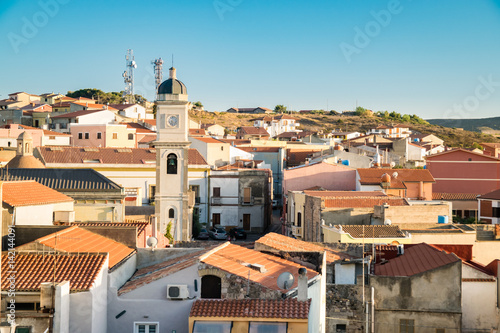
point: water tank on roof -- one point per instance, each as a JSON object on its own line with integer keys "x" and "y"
{"x": 442, "y": 219}
{"x": 345, "y": 162}
{"x": 416, "y": 140}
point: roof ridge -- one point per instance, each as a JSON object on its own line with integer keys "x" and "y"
{"x": 209, "y": 253}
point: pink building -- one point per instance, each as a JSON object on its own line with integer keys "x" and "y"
{"x": 334, "y": 177}
{"x": 463, "y": 171}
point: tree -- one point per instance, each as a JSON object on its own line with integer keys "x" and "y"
{"x": 198, "y": 104}
{"x": 280, "y": 108}
{"x": 360, "y": 111}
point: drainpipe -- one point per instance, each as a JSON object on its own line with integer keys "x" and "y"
{"x": 373, "y": 310}
{"x": 498, "y": 285}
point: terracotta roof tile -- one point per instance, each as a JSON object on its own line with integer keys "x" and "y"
{"x": 260, "y": 149}
{"x": 363, "y": 202}
{"x": 140, "y": 225}
{"x": 208, "y": 140}
{"x": 78, "y": 113}
{"x": 373, "y": 175}
{"x": 233, "y": 259}
{"x": 32, "y": 269}
{"x": 377, "y": 231}
{"x": 343, "y": 194}
{"x": 75, "y": 239}
{"x": 78, "y": 155}
{"x": 29, "y": 193}
{"x": 416, "y": 259}
{"x": 289, "y": 308}
{"x": 139, "y": 128}
{"x": 455, "y": 196}
{"x": 479, "y": 280}
{"x": 288, "y": 244}
{"x": 148, "y": 138}
{"x": 152, "y": 273}
{"x": 494, "y": 195}
{"x": 251, "y": 130}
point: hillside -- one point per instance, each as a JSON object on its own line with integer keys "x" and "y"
{"x": 469, "y": 124}
{"x": 326, "y": 123}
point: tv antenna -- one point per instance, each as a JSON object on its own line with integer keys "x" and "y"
{"x": 158, "y": 69}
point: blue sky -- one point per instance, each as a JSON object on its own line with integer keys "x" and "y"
{"x": 436, "y": 59}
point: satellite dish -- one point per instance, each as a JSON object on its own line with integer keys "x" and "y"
{"x": 285, "y": 280}
{"x": 152, "y": 241}
{"x": 387, "y": 222}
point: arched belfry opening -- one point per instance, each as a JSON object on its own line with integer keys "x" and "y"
{"x": 171, "y": 164}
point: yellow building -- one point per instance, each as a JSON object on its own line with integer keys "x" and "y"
{"x": 249, "y": 315}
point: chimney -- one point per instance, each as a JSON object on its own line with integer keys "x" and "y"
{"x": 302, "y": 285}
{"x": 46, "y": 296}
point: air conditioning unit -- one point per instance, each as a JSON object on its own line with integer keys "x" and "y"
{"x": 177, "y": 291}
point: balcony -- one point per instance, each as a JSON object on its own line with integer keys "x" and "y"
{"x": 216, "y": 201}
{"x": 296, "y": 231}
{"x": 248, "y": 201}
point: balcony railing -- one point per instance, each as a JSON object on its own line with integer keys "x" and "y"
{"x": 248, "y": 201}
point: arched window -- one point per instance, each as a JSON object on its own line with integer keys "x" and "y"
{"x": 171, "y": 213}
{"x": 27, "y": 150}
{"x": 172, "y": 164}
{"x": 210, "y": 286}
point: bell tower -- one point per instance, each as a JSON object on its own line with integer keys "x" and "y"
{"x": 171, "y": 198}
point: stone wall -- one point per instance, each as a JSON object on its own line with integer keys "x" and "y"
{"x": 344, "y": 305}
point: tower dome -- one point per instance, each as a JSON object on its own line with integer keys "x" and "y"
{"x": 24, "y": 155}
{"x": 172, "y": 89}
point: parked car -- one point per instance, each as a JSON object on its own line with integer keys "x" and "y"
{"x": 203, "y": 234}
{"x": 218, "y": 233}
{"x": 238, "y": 233}
{"x": 275, "y": 204}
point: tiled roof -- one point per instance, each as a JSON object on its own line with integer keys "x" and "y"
{"x": 363, "y": 202}
{"x": 455, "y": 196}
{"x": 29, "y": 193}
{"x": 297, "y": 156}
{"x": 75, "y": 239}
{"x": 251, "y": 130}
{"x": 148, "y": 138}
{"x": 62, "y": 179}
{"x": 208, "y": 140}
{"x": 491, "y": 144}
{"x": 369, "y": 231}
{"x": 151, "y": 122}
{"x": 152, "y": 273}
{"x": 288, "y": 244}
{"x": 479, "y": 280}
{"x": 344, "y": 194}
{"x": 236, "y": 142}
{"x": 139, "y": 128}
{"x": 416, "y": 259}
{"x": 52, "y": 133}
{"x": 80, "y": 269}
{"x": 121, "y": 106}
{"x": 293, "y": 135}
{"x": 233, "y": 259}
{"x": 455, "y": 150}
{"x": 78, "y": 155}
{"x": 260, "y": 149}
{"x": 77, "y": 113}
{"x": 140, "y": 225}
{"x": 373, "y": 175}
{"x": 197, "y": 131}
{"x": 494, "y": 195}
{"x": 95, "y": 106}
{"x": 289, "y": 308}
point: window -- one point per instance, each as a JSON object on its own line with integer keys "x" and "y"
{"x": 80, "y": 136}
{"x": 247, "y": 195}
{"x": 222, "y": 148}
{"x": 212, "y": 327}
{"x": 495, "y": 212}
{"x": 299, "y": 219}
{"x": 27, "y": 306}
{"x": 152, "y": 192}
{"x": 406, "y": 326}
{"x": 172, "y": 164}
{"x": 267, "y": 327}
{"x": 216, "y": 192}
{"x": 23, "y": 329}
{"x": 86, "y": 136}
{"x": 196, "y": 190}
{"x": 146, "y": 328}
{"x": 115, "y": 136}
{"x": 131, "y": 136}
{"x": 99, "y": 135}
{"x": 52, "y": 137}
{"x": 341, "y": 328}
{"x": 440, "y": 330}
{"x": 171, "y": 213}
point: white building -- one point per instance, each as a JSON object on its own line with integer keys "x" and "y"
{"x": 277, "y": 124}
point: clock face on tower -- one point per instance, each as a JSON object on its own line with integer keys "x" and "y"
{"x": 173, "y": 121}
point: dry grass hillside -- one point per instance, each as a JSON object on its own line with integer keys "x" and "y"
{"x": 324, "y": 123}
